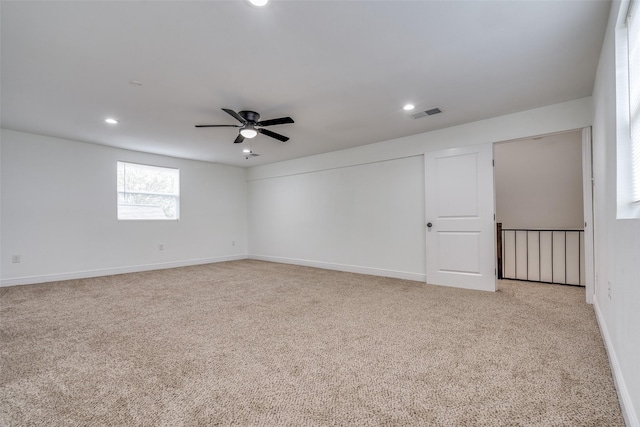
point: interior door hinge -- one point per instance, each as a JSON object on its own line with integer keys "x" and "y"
{"x": 493, "y": 162}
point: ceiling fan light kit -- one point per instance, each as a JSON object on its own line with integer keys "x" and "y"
{"x": 251, "y": 125}
{"x": 248, "y": 131}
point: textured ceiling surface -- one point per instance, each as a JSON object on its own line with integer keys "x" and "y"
{"x": 341, "y": 69}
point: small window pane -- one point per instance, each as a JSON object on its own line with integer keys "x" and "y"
{"x": 148, "y": 192}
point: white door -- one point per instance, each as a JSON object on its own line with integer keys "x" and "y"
{"x": 460, "y": 217}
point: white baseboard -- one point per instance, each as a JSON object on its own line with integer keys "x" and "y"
{"x": 344, "y": 267}
{"x": 30, "y": 280}
{"x": 626, "y": 404}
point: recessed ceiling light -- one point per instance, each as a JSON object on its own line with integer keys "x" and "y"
{"x": 258, "y": 2}
{"x": 246, "y": 150}
{"x": 111, "y": 121}
{"x": 408, "y": 107}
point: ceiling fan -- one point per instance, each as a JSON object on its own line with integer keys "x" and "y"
{"x": 251, "y": 125}
{"x": 249, "y": 154}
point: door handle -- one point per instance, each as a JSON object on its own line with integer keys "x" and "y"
{"x": 429, "y": 225}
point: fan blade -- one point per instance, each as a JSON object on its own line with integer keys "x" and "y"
{"x": 235, "y": 115}
{"x": 280, "y": 121}
{"x": 273, "y": 135}
{"x": 239, "y": 139}
{"x": 217, "y": 126}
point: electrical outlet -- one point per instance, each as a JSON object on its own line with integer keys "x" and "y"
{"x": 609, "y": 290}
{"x": 161, "y": 247}
{"x": 16, "y": 258}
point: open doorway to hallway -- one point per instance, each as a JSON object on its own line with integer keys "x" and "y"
{"x": 540, "y": 209}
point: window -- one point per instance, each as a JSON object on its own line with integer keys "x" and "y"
{"x": 148, "y": 192}
{"x": 633, "y": 46}
{"x": 627, "y": 83}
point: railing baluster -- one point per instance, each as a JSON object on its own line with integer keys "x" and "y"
{"x": 539, "y": 259}
{"x": 515, "y": 255}
{"x": 565, "y": 257}
{"x": 579, "y": 259}
{"x": 552, "y": 241}
{"x": 527, "y": 252}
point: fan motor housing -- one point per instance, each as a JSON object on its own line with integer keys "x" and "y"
{"x": 250, "y": 116}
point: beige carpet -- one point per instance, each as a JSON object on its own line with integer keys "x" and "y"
{"x": 251, "y": 343}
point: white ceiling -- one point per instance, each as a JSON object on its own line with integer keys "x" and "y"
{"x": 341, "y": 69}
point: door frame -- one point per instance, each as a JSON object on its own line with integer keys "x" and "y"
{"x": 587, "y": 197}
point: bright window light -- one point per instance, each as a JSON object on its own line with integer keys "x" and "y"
{"x": 633, "y": 43}
{"x": 148, "y": 192}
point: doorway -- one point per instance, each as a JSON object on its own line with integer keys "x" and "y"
{"x": 540, "y": 209}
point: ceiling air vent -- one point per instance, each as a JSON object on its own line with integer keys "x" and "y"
{"x": 426, "y": 113}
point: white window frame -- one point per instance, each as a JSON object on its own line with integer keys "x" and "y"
{"x": 628, "y": 149}
{"x": 633, "y": 57}
{"x": 174, "y": 195}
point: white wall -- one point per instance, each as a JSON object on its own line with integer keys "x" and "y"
{"x": 362, "y": 209}
{"x": 357, "y": 218}
{"x": 58, "y": 211}
{"x": 539, "y": 182}
{"x": 617, "y": 241}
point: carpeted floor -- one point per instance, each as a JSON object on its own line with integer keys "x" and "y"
{"x": 252, "y": 343}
